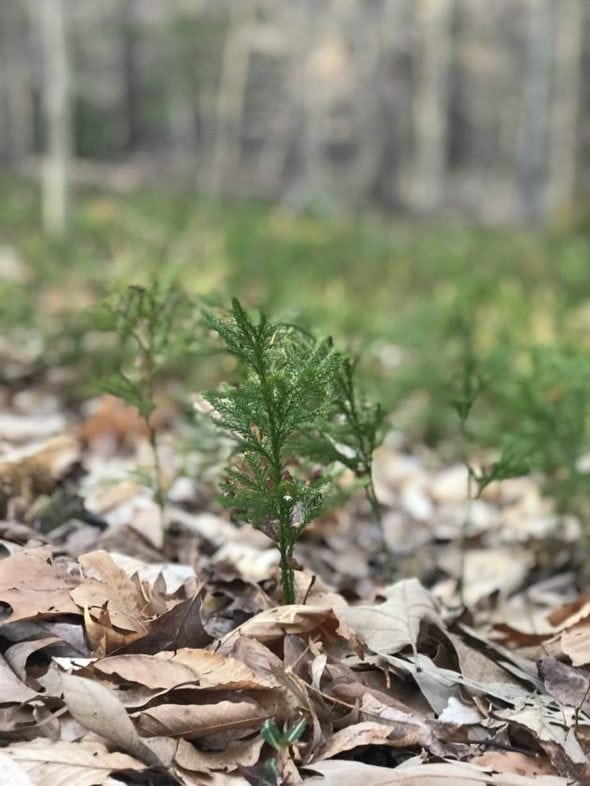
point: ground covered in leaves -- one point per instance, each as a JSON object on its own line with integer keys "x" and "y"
{"x": 144, "y": 648}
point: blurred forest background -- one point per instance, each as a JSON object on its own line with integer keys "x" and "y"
{"x": 450, "y": 107}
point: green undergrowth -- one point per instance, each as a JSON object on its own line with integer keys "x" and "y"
{"x": 425, "y": 308}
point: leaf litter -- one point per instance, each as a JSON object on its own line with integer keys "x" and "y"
{"x": 130, "y": 657}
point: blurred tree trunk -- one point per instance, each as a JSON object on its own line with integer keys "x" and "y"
{"x": 431, "y": 101}
{"x": 16, "y": 82}
{"x": 56, "y": 103}
{"x": 128, "y": 10}
{"x": 534, "y": 152}
{"x": 564, "y": 151}
{"x": 232, "y": 91}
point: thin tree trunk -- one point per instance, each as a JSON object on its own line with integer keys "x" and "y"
{"x": 56, "y": 102}
{"x": 231, "y": 96}
{"x": 15, "y": 63}
{"x": 129, "y": 73}
{"x": 563, "y": 154}
{"x": 430, "y": 105}
{"x": 534, "y": 155}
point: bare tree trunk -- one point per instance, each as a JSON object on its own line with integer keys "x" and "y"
{"x": 15, "y": 63}
{"x": 565, "y": 106}
{"x": 534, "y": 155}
{"x": 129, "y": 23}
{"x": 232, "y": 90}
{"x": 431, "y": 97}
{"x": 57, "y": 116}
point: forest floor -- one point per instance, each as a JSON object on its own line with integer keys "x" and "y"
{"x": 151, "y": 649}
{"x": 447, "y": 643}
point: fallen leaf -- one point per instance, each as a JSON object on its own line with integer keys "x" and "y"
{"x": 106, "y": 586}
{"x": 35, "y": 474}
{"x": 517, "y": 763}
{"x": 352, "y": 773}
{"x": 168, "y": 670}
{"x": 193, "y": 721}
{"x": 356, "y": 736}
{"x": 296, "y": 619}
{"x": 12, "y": 689}
{"x": 392, "y": 626}
{"x": 51, "y": 763}
{"x": 244, "y": 753}
{"x": 180, "y": 627}
{"x": 566, "y": 684}
{"x": 575, "y": 643}
{"x": 34, "y": 587}
{"x": 97, "y": 709}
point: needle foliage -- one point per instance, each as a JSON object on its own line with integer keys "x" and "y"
{"x": 290, "y": 388}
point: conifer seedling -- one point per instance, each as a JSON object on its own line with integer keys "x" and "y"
{"x": 288, "y": 391}
{"x": 156, "y": 327}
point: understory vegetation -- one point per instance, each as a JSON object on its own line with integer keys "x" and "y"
{"x": 491, "y": 324}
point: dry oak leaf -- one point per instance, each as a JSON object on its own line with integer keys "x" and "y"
{"x": 193, "y": 721}
{"x": 392, "y": 626}
{"x": 34, "y": 587}
{"x": 106, "y": 586}
{"x": 57, "y": 763}
{"x": 186, "y": 667}
{"x": 297, "y": 619}
{"x": 97, "y": 709}
{"x": 352, "y": 773}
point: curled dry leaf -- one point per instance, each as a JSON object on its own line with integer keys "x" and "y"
{"x": 97, "y": 709}
{"x": 356, "y": 736}
{"x": 298, "y": 619}
{"x": 109, "y": 595}
{"x": 50, "y": 763}
{"x": 168, "y": 670}
{"x": 34, "y": 587}
{"x": 12, "y": 690}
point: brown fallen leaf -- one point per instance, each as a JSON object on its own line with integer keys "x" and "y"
{"x": 575, "y": 643}
{"x": 357, "y": 735}
{"x": 566, "y": 684}
{"x": 180, "y": 627}
{"x": 517, "y": 763}
{"x": 51, "y": 763}
{"x": 97, "y": 709}
{"x": 194, "y": 721}
{"x": 113, "y": 424}
{"x": 391, "y": 626}
{"x": 105, "y": 586}
{"x": 30, "y": 476}
{"x": 168, "y": 670}
{"x": 297, "y": 619}
{"x": 12, "y": 690}
{"x": 34, "y": 587}
{"x": 243, "y": 753}
{"x": 352, "y": 773}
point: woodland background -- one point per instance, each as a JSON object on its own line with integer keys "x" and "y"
{"x": 429, "y": 106}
